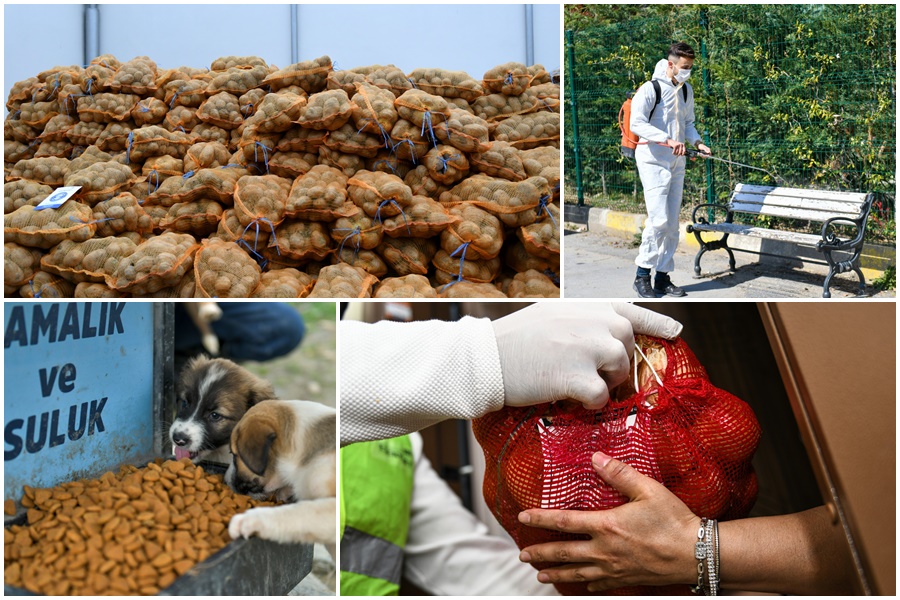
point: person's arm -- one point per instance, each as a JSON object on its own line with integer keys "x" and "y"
{"x": 397, "y": 378}
{"x": 650, "y": 541}
{"x": 449, "y": 552}
{"x": 641, "y": 104}
{"x": 402, "y": 377}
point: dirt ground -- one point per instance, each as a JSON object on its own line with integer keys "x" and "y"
{"x": 307, "y": 373}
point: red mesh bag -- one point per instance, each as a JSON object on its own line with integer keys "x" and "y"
{"x": 677, "y": 428}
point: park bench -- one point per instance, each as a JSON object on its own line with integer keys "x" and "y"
{"x": 830, "y": 208}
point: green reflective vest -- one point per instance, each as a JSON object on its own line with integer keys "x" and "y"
{"x": 376, "y": 491}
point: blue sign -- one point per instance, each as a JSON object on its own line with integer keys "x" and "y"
{"x": 77, "y": 390}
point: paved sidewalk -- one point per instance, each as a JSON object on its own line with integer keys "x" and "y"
{"x": 602, "y": 266}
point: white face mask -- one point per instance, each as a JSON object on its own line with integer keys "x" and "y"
{"x": 682, "y": 75}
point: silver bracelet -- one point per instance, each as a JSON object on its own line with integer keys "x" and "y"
{"x": 714, "y": 571}
{"x": 701, "y": 549}
{"x": 712, "y": 587}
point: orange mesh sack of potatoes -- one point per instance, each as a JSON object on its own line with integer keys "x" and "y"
{"x": 357, "y": 231}
{"x": 261, "y": 199}
{"x": 46, "y": 285}
{"x": 500, "y": 159}
{"x": 302, "y": 241}
{"x": 96, "y": 291}
{"x": 374, "y": 110}
{"x": 514, "y": 203}
{"x": 310, "y": 75}
{"x": 106, "y": 107}
{"x": 149, "y": 111}
{"x": 92, "y": 260}
{"x": 446, "y": 164}
{"x": 477, "y": 234}
{"x": 379, "y": 194}
{"x": 422, "y": 109}
{"x": 222, "y": 110}
{"x": 156, "y": 264}
{"x": 156, "y": 141}
{"x": 223, "y": 270}
{"x": 449, "y": 84}
{"x": 284, "y": 283}
{"x": 532, "y": 284}
{"x": 468, "y": 289}
{"x": 510, "y": 79}
{"x": 19, "y": 265}
{"x": 48, "y": 227}
{"x": 100, "y": 181}
{"x": 422, "y": 218}
{"x": 127, "y": 533}
{"x": 343, "y": 281}
{"x": 367, "y": 260}
{"x": 541, "y": 238}
{"x": 137, "y": 76}
{"x": 319, "y": 195}
{"x": 329, "y": 110}
{"x": 276, "y": 113}
{"x": 205, "y": 155}
{"x": 349, "y": 140}
{"x": 408, "y": 256}
{"x": 292, "y": 165}
{"x": 23, "y": 192}
{"x": 199, "y": 218}
{"x": 455, "y": 267}
{"x": 529, "y": 131}
{"x": 464, "y": 131}
{"x": 48, "y": 171}
{"x": 408, "y": 286}
{"x": 496, "y": 107}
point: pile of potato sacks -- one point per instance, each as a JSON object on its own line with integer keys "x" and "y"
{"x": 245, "y": 180}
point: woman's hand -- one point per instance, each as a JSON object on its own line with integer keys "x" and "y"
{"x": 647, "y": 541}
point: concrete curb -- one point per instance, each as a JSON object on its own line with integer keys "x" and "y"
{"x": 874, "y": 260}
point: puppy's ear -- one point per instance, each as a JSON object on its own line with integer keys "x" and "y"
{"x": 253, "y": 444}
{"x": 258, "y": 391}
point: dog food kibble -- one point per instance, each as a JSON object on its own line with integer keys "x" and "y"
{"x": 133, "y": 532}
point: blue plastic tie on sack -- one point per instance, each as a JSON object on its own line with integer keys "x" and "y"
{"x": 248, "y": 106}
{"x": 389, "y": 165}
{"x": 509, "y": 79}
{"x": 256, "y": 147}
{"x": 357, "y": 231}
{"x": 181, "y": 127}
{"x": 229, "y": 165}
{"x": 445, "y": 160}
{"x": 462, "y": 261}
{"x": 552, "y": 276}
{"x": 34, "y": 292}
{"x": 412, "y": 149}
{"x": 77, "y": 220}
{"x": 409, "y": 79}
{"x": 144, "y": 108}
{"x": 394, "y": 202}
{"x": 152, "y": 173}
{"x": 255, "y": 222}
{"x": 16, "y": 114}
{"x": 128, "y": 149}
{"x": 427, "y": 121}
{"x": 188, "y": 175}
{"x": 542, "y": 206}
{"x": 90, "y": 82}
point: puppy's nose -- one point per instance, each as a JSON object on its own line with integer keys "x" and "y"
{"x": 180, "y": 439}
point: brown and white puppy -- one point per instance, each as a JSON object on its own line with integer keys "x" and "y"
{"x": 212, "y": 395}
{"x": 286, "y": 448}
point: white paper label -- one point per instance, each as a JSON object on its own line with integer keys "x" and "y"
{"x": 56, "y": 199}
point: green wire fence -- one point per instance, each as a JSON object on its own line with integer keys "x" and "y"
{"x": 804, "y": 91}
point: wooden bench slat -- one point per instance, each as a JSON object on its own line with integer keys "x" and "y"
{"x": 789, "y": 212}
{"x": 759, "y": 232}
{"x": 858, "y": 197}
{"x": 803, "y": 203}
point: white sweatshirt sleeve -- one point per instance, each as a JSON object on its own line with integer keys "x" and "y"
{"x": 641, "y": 104}
{"x": 396, "y": 378}
{"x": 449, "y": 552}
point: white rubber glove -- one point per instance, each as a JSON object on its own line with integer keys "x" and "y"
{"x": 552, "y": 351}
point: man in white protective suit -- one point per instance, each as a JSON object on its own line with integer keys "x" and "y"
{"x": 662, "y": 116}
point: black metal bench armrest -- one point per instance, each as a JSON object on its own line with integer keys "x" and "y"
{"x": 833, "y": 242}
{"x": 729, "y": 217}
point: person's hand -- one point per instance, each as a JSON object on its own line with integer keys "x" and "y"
{"x": 704, "y": 149}
{"x": 551, "y": 351}
{"x": 677, "y": 147}
{"x": 648, "y": 541}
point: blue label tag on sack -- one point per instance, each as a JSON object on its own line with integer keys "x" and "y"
{"x": 58, "y": 197}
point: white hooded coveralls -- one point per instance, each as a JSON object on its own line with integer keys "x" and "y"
{"x": 662, "y": 173}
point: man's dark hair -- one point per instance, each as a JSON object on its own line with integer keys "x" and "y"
{"x": 680, "y": 49}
